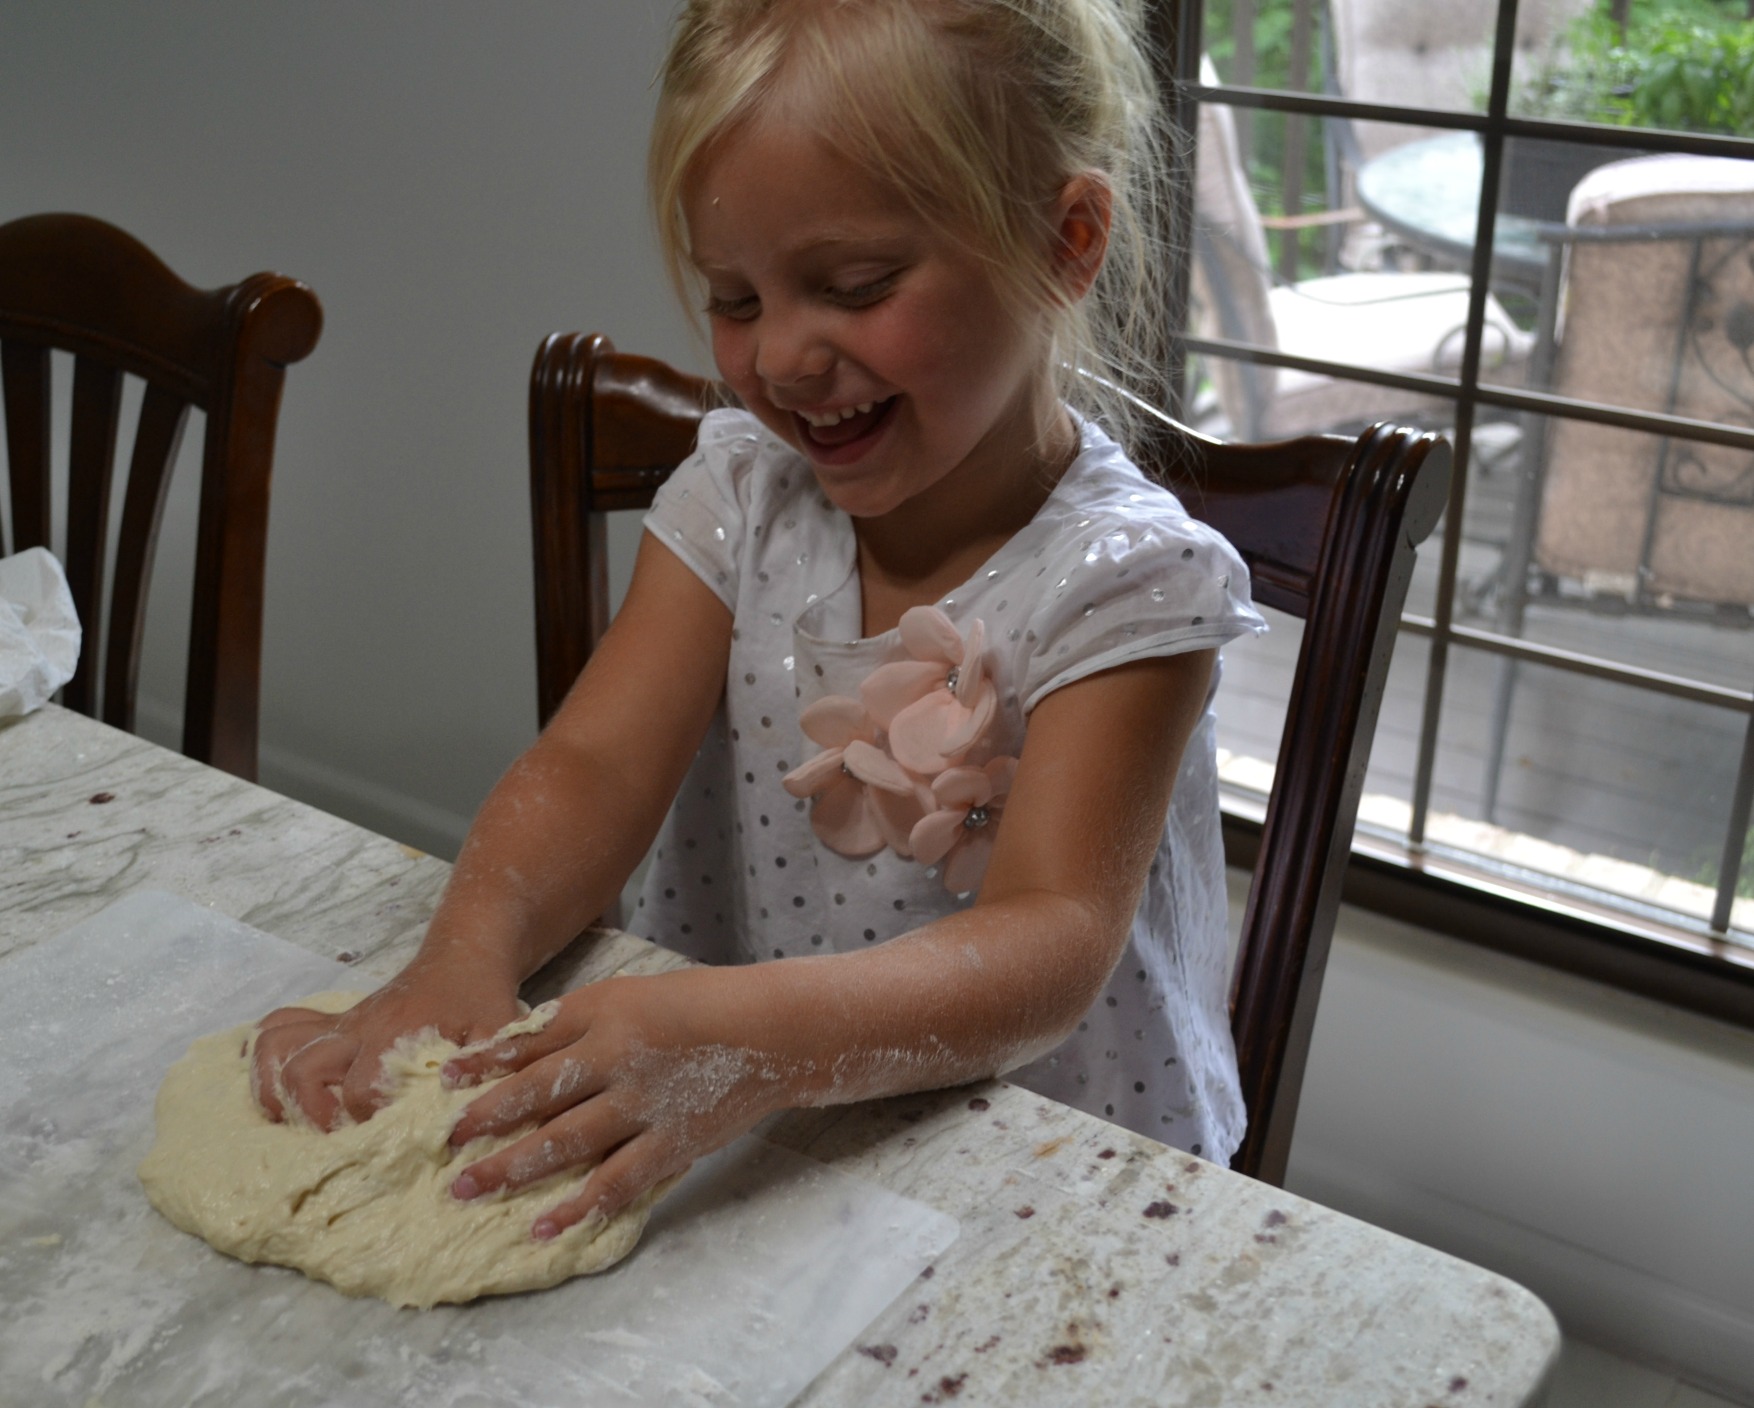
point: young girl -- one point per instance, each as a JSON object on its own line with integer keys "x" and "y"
{"x": 916, "y": 662}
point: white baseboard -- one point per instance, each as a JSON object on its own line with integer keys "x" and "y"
{"x": 378, "y": 807}
{"x": 1597, "y": 1299}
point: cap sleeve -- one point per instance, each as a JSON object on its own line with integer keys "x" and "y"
{"x": 1127, "y": 590}
{"x": 700, "y": 511}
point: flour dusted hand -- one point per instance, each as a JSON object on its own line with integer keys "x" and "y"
{"x": 627, "y": 1075}
{"x": 366, "y": 1207}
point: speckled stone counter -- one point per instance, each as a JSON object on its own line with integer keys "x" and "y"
{"x": 1093, "y": 1266}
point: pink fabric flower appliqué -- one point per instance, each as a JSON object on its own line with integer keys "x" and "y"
{"x": 934, "y": 707}
{"x": 864, "y": 798}
{"x": 960, "y": 831}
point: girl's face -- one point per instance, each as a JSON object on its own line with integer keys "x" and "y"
{"x": 870, "y": 342}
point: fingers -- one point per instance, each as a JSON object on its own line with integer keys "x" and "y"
{"x": 486, "y": 1057}
{"x": 550, "y": 1087}
{"x": 300, "y": 1062}
{"x": 582, "y": 1135}
{"x": 636, "y": 1166}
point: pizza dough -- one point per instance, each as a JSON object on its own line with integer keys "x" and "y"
{"x": 366, "y": 1207}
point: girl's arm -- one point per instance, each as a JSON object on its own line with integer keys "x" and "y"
{"x": 548, "y": 851}
{"x": 654, "y": 1071}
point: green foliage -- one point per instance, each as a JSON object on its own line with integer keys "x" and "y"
{"x": 1276, "y": 138}
{"x": 1681, "y": 65}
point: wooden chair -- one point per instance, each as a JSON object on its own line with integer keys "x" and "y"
{"x": 73, "y": 284}
{"x": 1328, "y": 526}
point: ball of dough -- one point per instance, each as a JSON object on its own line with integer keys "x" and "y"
{"x": 366, "y": 1207}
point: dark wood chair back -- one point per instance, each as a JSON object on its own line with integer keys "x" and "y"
{"x": 73, "y": 284}
{"x": 1327, "y": 525}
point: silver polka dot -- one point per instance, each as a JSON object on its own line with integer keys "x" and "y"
{"x": 1061, "y": 584}
{"x": 803, "y": 557}
{"x": 1157, "y": 593}
{"x": 1090, "y": 608}
{"x": 1002, "y": 605}
{"x": 1012, "y": 634}
{"x": 775, "y": 617}
{"x": 992, "y": 573}
{"x": 787, "y": 662}
{"x": 719, "y": 533}
{"x": 1187, "y": 553}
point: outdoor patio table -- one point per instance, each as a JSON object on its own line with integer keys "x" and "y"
{"x": 1428, "y": 193}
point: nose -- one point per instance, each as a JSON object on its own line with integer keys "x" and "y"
{"x": 791, "y": 349}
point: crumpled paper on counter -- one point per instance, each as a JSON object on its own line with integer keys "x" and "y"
{"x": 39, "y": 631}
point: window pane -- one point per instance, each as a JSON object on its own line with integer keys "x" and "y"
{"x": 1634, "y": 548}
{"x": 1675, "y": 65}
{"x": 1251, "y": 702}
{"x": 1593, "y": 783}
{"x": 1328, "y": 283}
{"x": 1387, "y": 803}
{"x": 1411, "y": 53}
{"x": 1645, "y": 298}
{"x": 1251, "y": 717}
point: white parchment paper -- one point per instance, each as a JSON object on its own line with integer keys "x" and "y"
{"x": 759, "y": 1269}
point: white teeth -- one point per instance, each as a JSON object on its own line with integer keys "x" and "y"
{"x": 826, "y": 418}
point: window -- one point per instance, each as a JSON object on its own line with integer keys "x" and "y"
{"x": 1532, "y": 227}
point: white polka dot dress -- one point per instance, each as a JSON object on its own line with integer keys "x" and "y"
{"x": 1111, "y": 569}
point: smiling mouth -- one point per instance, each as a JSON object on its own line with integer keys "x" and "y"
{"x": 853, "y": 424}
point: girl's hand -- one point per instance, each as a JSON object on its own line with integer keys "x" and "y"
{"x": 328, "y": 1064}
{"x": 625, "y": 1072}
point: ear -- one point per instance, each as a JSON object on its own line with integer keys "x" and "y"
{"x": 1081, "y": 223}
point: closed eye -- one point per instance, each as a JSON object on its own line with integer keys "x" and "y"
{"x": 864, "y": 294}
{"x": 739, "y": 310}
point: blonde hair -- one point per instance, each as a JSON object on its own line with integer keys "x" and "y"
{"x": 977, "y": 112}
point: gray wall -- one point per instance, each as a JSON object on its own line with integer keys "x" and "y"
{"x": 456, "y": 180}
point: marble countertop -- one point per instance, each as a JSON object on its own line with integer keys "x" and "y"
{"x": 1093, "y": 1266}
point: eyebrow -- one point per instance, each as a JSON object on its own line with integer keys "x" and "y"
{"x": 826, "y": 242}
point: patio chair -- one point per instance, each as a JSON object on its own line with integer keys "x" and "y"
{"x": 1655, "y": 311}
{"x": 1410, "y": 322}
{"x": 70, "y": 283}
{"x": 1327, "y": 525}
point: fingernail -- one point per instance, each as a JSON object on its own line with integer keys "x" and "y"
{"x": 454, "y": 1077}
{"x": 465, "y": 1187}
{"x": 545, "y": 1230}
